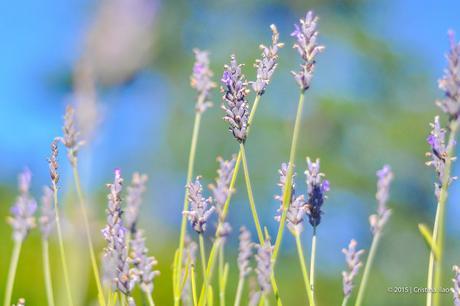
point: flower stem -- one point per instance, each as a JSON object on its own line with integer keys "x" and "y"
{"x": 61, "y": 247}
{"x": 183, "y": 227}
{"x": 303, "y": 266}
{"x": 252, "y": 203}
{"x": 221, "y": 276}
{"x": 439, "y": 239}
{"x": 81, "y": 200}
{"x": 367, "y": 269}
{"x": 239, "y": 291}
{"x": 345, "y": 300}
{"x": 429, "y": 285}
{"x": 193, "y": 283}
{"x": 313, "y": 259}
{"x": 150, "y": 299}
{"x": 12, "y": 272}
{"x": 203, "y": 265}
{"x": 47, "y": 272}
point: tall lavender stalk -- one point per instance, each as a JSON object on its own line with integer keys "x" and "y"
{"x": 134, "y": 200}
{"x": 450, "y": 104}
{"x": 22, "y": 220}
{"x": 352, "y": 258}
{"x": 202, "y": 82}
{"x": 244, "y": 255}
{"x": 71, "y": 140}
{"x": 377, "y": 222}
{"x": 264, "y": 268}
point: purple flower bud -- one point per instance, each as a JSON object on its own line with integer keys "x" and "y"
{"x": 353, "y": 266}
{"x": 71, "y": 135}
{"x": 199, "y": 212}
{"x": 134, "y": 200}
{"x": 264, "y": 266}
{"x": 48, "y": 218}
{"x": 377, "y": 221}
{"x": 201, "y": 79}
{"x": 221, "y": 189}
{"x": 317, "y": 189}
{"x": 143, "y": 265}
{"x": 244, "y": 252}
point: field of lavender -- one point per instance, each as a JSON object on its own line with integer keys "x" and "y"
{"x": 265, "y": 182}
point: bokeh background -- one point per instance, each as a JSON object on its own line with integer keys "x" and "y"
{"x": 126, "y": 65}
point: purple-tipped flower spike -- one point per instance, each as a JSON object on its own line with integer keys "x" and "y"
{"x": 53, "y": 163}
{"x": 317, "y": 187}
{"x": 201, "y": 79}
{"x": 297, "y": 207}
{"x": 438, "y": 153}
{"x": 307, "y": 46}
{"x": 116, "y": 252}
{"x": 71, "y": 135}
{"x": 131, "y": 301}
{"x": 450, "y": 82}
{"x": 221, "y": 189}
{"x": 244, "y": 252}
{"x": 224, "y": 231}
{"x": 22, "y": 218}
{"x": 264, "y": 266}
{"x": 267, "y": 64}
{"x": 143, "y": 265}
{"x": 190, "y": 248}
{"x": 47, "y": 218}
{"x": 456, "y": 288}
{"x": 199, "y": 212}
{"x": 235, "y": 101}
{"x": 134, "y": 200}
{"x": 377, "y": 221}
{"x": 353, "y": 266}
{"x": 254, "y": 293}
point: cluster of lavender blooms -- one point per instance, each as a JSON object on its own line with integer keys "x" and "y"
{"x": 244, "y": 252}
{"x": 47, "y": 218}
{"x": 71, "y": 135}
{"x": 352, "y": 258}
{"x": 143, "y": 264}
{"x": 266, "y": 66}
{"x": 378, "y": 220}
{"x": 201, "y": 79}
{"x": 235, "y": 96}
{"x": 200, "y": 208}
{"x": 456, "y": 288}
{"x": 264, "y": 266}
{"x": 307, "y": 46}
{"x": 22, "y": 218}
{"x": 450, "y": 83}
{"x": 134, "y": 200}
{"x": 221, "y": 189}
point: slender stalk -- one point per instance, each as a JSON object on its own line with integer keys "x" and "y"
{"x": 183, "y": 227}
{"x": 47, "y": 272}
{"x": 61, "y": 247}
{"x": 439, "y": 239}
{"x": 12, "y": 272}
{"x": 192, "y": 278}
{"x": 95, "y": 268}
{"x": 252, "y": 203}
{"x": 221, "y": 276}
{"x": 429, "y": 285}
{"x": 313, "y": 259}
{"x": 367, "y": 269}
{"x": 203, "y": 265}
{"x": 303, "y": 266}
{"x": 239, "y": 291}
{"x": 345, "y": 300}
{"x": 150, "y": 299}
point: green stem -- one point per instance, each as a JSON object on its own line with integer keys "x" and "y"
{"x": 429, "y": 285}
{"x": 203, "y": 265}
{"x": 12, "y": 272}
{"x": 81, "y": 200}
{"x": 303, "y": 266}
{"x": 192, "y": 279}
{"x": 345, "y": 300}
{"x": 239, "y": 291}
{"x": 61, "y": 246}
{"x": 150, "y": 299}
{"x": 252, "y": 203}
{"x": 442, "y": 207}
{"x": 221, "y": 276}
{"x": 367, "y": 269}
{"x": 47, "y": 272}
{"x": 183, "y": 227}
{"x": 313, "y": 259}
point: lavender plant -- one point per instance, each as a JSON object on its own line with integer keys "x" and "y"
{"x": 352, "y": 258}
{"x": 244, "y": 255}
{"x": 134, "y": 200}
{"x": 264, "y": 268}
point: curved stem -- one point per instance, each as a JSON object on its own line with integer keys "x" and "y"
{"x": 367, "y": 269}
{"x": 183, "y": 227}
{"x": 313, "y": 259}
{"x": 12, "y": 272}
{"x": 303, "y": 266}
{"x": 150, "y": 299}
{"x": 345, "y": 300}
{"x": 61, "y": 247}
{"x": 252, "y": 203}
{"x": 239, "y": 291}
{"x": 429, "y": 285}
{"x": 47, "y": 272}
{"x": 439, "y": 239}
{"x": 81, "y": 200}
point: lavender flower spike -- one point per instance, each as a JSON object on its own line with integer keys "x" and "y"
{"x": 134, "y": 200}
{"x": 264, "y": 266}
{"x": 267, "y": 64}
{"x": 201, "y": 79}
{"x": 307, "y": 46}
{"x": 244, "y": 252}
{"x": 47, "y": 219}
{"x": 221, "y": 189}
{"x": 456, "y": 288}
{"x": 22, "y": 218}
{"x": 143, "y": 265}
{"x": 450, "y": 82}
{"x": 316, "y": 188}
{"x": 297, "y": 207}
{"x": 236, "y": 106}
{"x": 353, "y": 265}
{"x": 71, "y": 135}
{"x": 199, "y": 212}
{"x": 377, "y": 221}
{"x": 116, "y": 252}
